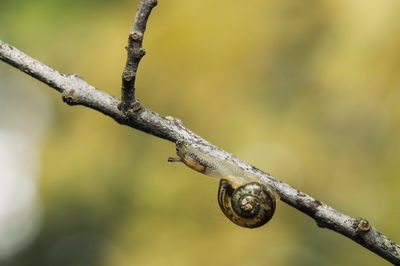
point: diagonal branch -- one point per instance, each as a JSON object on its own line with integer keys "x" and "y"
{"x": 135, "y": 52}
{"x": 76, "y": 91}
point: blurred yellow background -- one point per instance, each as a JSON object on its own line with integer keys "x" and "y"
{"x": 306, "y": 90}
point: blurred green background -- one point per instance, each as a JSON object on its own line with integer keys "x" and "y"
{"x": 306, "y": 90}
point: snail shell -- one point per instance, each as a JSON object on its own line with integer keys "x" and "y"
{"x": 250, "y": 205}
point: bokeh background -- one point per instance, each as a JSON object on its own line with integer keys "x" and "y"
{"x": 306, "y": 90}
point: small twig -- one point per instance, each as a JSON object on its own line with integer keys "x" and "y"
{"x": 75, "y": 91}
{"x": 135, "y": 52}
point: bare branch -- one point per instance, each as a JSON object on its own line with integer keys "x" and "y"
{"x": 135, "y": 52}
{"x": 76, "y": 91}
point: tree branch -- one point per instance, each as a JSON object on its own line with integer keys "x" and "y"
{"x": 135, "y": 52}
{"x": 76, "y": 91}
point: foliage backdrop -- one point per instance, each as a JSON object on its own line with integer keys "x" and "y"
{"x": 306, "y": 90}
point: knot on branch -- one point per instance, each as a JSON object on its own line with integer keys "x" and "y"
{"x": 69, "y": 97}
{"x": 135, "y": 53}
{"x": 153, "y": 3}
{"x": 136, "y": 36}
{"x": 142, "y": 52}
{"x": 362, "y": 225}
{"x": 130, "y": 108}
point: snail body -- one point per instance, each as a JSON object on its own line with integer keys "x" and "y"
{"x": 211, "y": 166}
{"x": 242, "y": 199}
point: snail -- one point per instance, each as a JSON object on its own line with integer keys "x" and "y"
{"x": 242, "y": 199}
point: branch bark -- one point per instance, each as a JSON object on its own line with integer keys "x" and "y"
{"x": 76, "y": 91}
{"x": 135, "y": 52}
